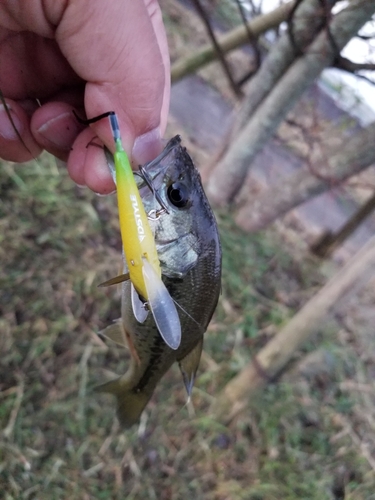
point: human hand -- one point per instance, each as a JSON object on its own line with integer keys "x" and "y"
{"x": 92, "y": 56}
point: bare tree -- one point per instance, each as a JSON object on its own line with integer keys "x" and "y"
{"x": 349, "y": 159}
{"x": 227, "y": 177}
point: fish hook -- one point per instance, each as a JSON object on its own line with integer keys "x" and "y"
{"x": 148, "y": 181}
{"x": 155, "y": 214}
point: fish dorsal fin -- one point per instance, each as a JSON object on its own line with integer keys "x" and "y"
{"x": 162, "y": 307}
{"x": 189, "y": 366}
{"x": 114, "y": 332}
{"x": 116, "y": 280}
{"x": 139, "y": 310}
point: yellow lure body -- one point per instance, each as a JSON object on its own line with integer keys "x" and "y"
{"x": 137, "y": 238}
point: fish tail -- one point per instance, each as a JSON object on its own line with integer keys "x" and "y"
{"x": 130, "y": 403}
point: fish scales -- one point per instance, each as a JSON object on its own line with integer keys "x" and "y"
{"x": 189, "y": 251}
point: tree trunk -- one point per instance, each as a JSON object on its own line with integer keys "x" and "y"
{"x": 230, "y": 41}
{"x": 357, "y": 154}
{"x": 307, "y": 21}
{"x": 275, "y": 355}
{"x": 228, "y": 176}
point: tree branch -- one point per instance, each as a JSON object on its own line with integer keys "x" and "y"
{"x": 229, "y": 41}
{"x": 353, "y": 67}
{"x": 220, "y": 54}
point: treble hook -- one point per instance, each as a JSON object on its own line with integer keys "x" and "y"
{"x": 155, "y": 214}
{"x": 142, "y": 173}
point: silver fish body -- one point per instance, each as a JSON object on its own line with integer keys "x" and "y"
{"x": 189, "y": 251}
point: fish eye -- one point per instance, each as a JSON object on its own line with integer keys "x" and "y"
{"x": 178, "y": 194}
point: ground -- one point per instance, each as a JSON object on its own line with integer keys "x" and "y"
{"x": 308, "y": 435}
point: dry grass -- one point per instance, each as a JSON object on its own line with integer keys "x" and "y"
{"x": 59, "y": 440}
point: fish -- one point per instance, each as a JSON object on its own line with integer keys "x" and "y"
{"x": 188, "y": 246}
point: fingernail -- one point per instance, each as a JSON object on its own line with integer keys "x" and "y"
{"x": 147, "y": 146}
{"x": 80, "y": 186}
{"x": 60, "y": 131}
{"x": 8, "y": 130}
{"x": 105, "y": 194}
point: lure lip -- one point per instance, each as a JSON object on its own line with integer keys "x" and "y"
{"x": 160, "y": 302}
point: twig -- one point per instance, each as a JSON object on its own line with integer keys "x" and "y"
{"x": 293, "y": 42}
{"x": 348, "y": 430}
{"x": 108, "y": 441}
{"x": 218, "y": 49}
{"x": 55, "y": 469}
{"x": 94, "y": 469}
{"x": 83, "y": 383}
{"x": 351, "y": 67}
{"x": 252, "y": 38}
{"x": 7, "y": 432}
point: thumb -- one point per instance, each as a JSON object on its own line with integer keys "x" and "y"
{"x": 119, "y": 49}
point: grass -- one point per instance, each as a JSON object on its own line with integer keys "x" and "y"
{"x": 300, "y": 439}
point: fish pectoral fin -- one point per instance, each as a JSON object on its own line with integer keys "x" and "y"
{"x": 115, "y": 332}
{"x": 130, "y": 403}
{"x": 132, "y": 349}
{"x": 189, "y": 366}
{"x": 116, "y": 280}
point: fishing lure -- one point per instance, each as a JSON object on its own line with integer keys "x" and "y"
{"x": 140, "y": 249}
